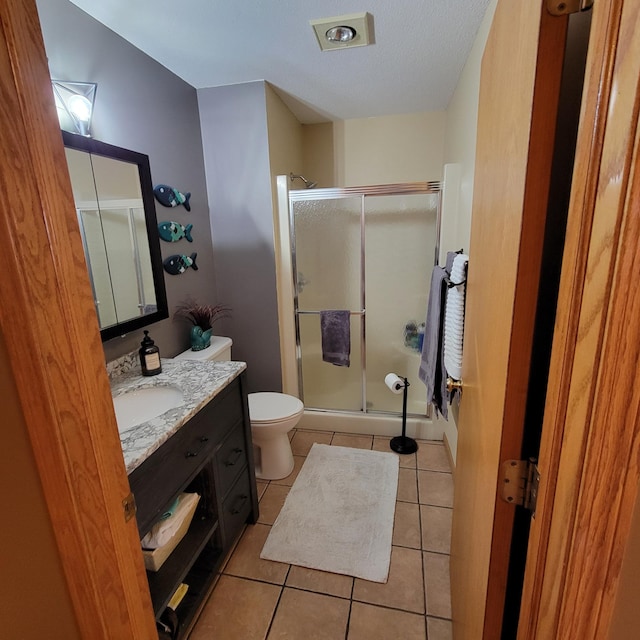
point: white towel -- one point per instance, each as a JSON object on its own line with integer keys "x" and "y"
{"x": 454, "y": 318}
{"x": 163, "y": 531}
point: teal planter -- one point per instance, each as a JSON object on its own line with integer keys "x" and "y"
{"x": 200, "y": 339}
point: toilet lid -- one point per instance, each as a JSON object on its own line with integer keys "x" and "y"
{"x": 270, "y": 407}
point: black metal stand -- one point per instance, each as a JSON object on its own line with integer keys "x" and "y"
{"x": 403, "y": 444}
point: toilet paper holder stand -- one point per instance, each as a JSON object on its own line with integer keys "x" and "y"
{"x": 403, "y": 444}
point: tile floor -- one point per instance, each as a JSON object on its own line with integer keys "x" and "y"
{"x": 258, "y": 599}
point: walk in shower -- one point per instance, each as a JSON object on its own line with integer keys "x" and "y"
{"x": 369, "y": 250}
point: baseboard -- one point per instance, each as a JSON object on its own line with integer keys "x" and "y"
{"x": 447, "y": 448}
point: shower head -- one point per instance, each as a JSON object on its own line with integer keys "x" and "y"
{"x": 308, "y": 183}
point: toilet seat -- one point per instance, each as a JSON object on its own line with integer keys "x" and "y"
{"x": 269, "y": 407}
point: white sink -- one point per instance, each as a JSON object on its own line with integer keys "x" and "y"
{"x": 138, "y": 406}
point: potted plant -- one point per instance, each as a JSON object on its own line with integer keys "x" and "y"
{"x": 202, "y": 317}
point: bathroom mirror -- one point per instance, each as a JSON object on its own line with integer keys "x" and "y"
{"x": 113, "y": 195}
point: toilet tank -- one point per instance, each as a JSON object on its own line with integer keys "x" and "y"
{"x": 219, "y": 349}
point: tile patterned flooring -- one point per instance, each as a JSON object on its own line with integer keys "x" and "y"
{"x": 264, "y": 600}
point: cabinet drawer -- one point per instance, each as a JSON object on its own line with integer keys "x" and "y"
{"x": 226, "y": 410}
{"x": 231, "y": 459}
{"x": 236, "y": 509}
{"x": 160, "y": 477}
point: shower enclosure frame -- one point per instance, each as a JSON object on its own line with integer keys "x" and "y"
{"x": 293, "y": 380}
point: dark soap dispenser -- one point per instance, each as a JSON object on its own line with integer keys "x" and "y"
{"x": 149, "y": 356}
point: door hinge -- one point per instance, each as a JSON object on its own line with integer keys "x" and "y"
{"x": 520, "y": 481}
{"x": 564, "y": 7}
{"x": 129, "y": 507}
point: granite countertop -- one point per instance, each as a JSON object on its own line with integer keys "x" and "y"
{"x": 199, "y": 383}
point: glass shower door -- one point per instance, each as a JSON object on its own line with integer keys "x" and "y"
{"x": 400, "y": 239}
{"x": 327, "y": 260}
{"x": 371, "y": 251}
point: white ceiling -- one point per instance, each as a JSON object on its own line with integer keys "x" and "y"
{"x": 418, "y": 51}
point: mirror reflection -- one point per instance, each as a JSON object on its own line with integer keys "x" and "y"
{"x": 119, "y": 235}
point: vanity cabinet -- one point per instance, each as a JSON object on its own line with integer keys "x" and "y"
{"x": 211, "y": 455}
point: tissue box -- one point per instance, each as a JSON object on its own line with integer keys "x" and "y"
{"x": 155, "y": 558}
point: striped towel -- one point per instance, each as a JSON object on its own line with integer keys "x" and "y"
{"x": 454, "y": 318}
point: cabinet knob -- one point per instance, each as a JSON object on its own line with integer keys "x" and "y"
{"x": 232, "y": 460}
{"x": 237, "y": 507}
{"x": 192, "y": 454}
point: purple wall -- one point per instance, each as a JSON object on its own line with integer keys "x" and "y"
{"x": 233, "y": 120}
{"x": 140, "y": 105}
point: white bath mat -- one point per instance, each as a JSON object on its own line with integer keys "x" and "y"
{"x": 339, "y": 514}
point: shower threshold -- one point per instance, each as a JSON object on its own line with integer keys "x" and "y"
{"x": 371, "y": 423}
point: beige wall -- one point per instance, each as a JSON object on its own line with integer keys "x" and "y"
{"x": 388, "y": 149}
{"x": 285, "y": 140}
{"x": 318, "y": 154}
{"x": 460, "y": 139}
{"x": 460, "y": 160}
{"x": 34, "y": 600}
{"x": 285, "y": 135}
{"x": 626, "y": 615}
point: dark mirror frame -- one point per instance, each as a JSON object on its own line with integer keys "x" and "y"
{"x": 81, "y": 143}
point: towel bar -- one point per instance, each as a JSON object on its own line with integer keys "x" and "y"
{"x": 353, "y": 313}
{"x": 457, "y": 284}
{"x": 454, "y": 284}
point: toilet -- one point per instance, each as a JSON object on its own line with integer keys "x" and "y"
{"x": 272, "y": 416}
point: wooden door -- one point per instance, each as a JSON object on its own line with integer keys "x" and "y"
{"x": 48, "y": 321}
{"x": 590, "y": 449}
{"x": 519, "y": 89}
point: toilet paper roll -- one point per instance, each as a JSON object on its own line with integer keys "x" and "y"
{"x": 394, "y": 383}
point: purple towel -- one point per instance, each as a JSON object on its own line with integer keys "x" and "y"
{"x": 335, "y": 328}
{"x": 431, "y": 364}
{"x": 432, "y": 370}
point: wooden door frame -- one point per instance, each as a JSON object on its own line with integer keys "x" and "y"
{"x": 49, "y": 323}
{"x": 591, "y": 430}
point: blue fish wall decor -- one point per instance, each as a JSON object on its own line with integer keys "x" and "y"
{"x": 170, "y": 197}
{"x": 177, "y": 264}
{"x": 174, "y": 231}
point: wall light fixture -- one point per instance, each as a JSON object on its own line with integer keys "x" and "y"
{"x": 74, "y": 102}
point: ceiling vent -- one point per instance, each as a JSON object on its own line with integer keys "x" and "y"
{"x": 342, "y": 32}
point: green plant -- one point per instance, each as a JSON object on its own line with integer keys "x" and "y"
{"x": 202, "y": 315}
